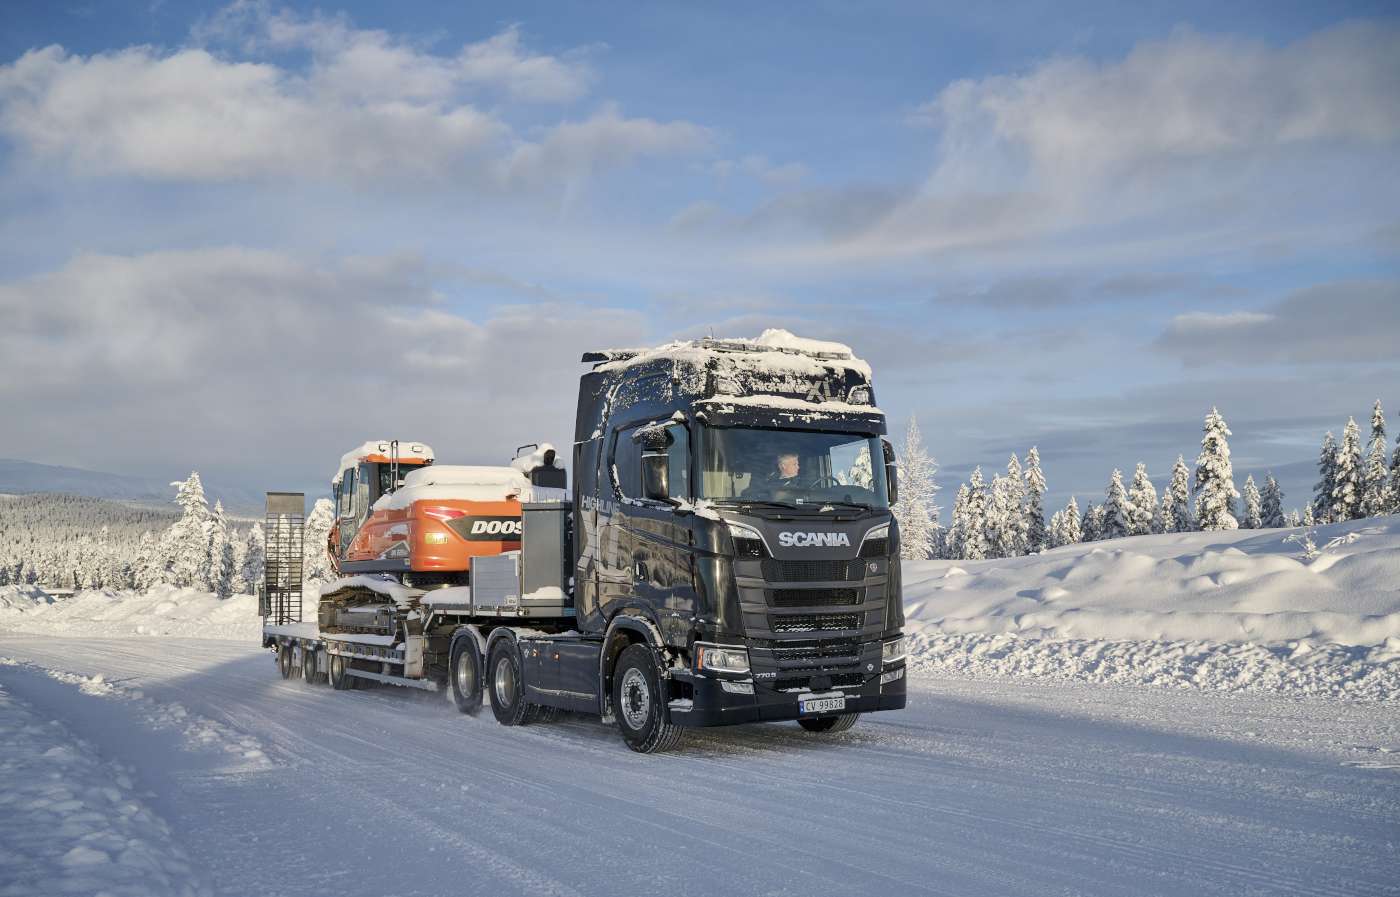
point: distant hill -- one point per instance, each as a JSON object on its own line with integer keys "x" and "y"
{"x": 27, "y": 478}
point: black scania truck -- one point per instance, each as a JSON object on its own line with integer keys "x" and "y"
{"x": 727, "y": 555}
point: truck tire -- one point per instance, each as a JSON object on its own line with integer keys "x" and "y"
{"x": 636, "y": 701}
{"x": 507, "y": 686}
{"x": 338, "y": 670}
{"x": 309, "y": 673}
{"x": 830, "y": 724}
{"x": 284, "y": 659}
{"x": 464, "y": 676}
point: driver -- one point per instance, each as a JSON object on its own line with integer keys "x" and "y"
{"x": 788, "y": 467}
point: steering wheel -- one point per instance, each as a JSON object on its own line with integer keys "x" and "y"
{"x": 824, "y": 481}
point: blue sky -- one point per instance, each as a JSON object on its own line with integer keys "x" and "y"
{"x": 224, "y": 227}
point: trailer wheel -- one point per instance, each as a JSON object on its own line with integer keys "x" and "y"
{"x": 284, "y": 659}
{"x": 830, "y": 724}
{"x": 464, "y": 676}
{"x": 507, "y": 686}
{"x": 339, "y": 673}
{"x": 309, "y": 673}
{"x": 637, "y": 703}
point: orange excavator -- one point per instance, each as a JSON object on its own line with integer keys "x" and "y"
{"x": 399, "y": 515}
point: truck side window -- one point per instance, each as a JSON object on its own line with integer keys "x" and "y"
{"x": 678, "y": 460}
{"x": 627, "y": 460}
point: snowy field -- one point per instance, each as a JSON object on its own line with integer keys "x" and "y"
{"x": 1186, "y": 715}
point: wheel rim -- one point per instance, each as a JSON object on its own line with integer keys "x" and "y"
{"x": 636, "y": 698}
{"x": 466, "y": 680}
{"x": 504, "y": 682}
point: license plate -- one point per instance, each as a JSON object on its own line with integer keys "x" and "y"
{"x": 821, "y": 705}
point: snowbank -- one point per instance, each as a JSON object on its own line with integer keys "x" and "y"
{"x": 74, "y": 822}
{"x": 164, "y": 611}
{"x": 1246, "y": 586}
{"x": 1231, "y": 611}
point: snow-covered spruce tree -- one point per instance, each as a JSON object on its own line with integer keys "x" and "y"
{"x": 184, "y": 546}
{"x": 1089, "y": 523}
{"x": 1326, "y": 479}
{"x": 250, "y": 572}
{"x": 1036, "y": 537}
{"x": 1215, "y": 477}
{"x": 1006, "y": 514}
{"x": 1294, "y": 518}
{"x": 221, "y": 564}
{"x": 916, "y": 512}
{"x": 1069, "y": 531}
{"x": 1176, "y": 501}
{"x": 1375, "y": 491}
{"x": 1309, "y": 518}
{"x": 956, "y": 536}
{"x": 1142, "y": 504}
{"x": 1271, "y": 515}
{"x": 1116, "y": 512}
{"x": 1346, "y": 489}
{"x": 1253, "y": 505}
{"x": 317, "y": 563}
{"x": 974, "y": 541}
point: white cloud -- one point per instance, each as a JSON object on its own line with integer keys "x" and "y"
{"x": 604, "y": 140}
{"x": 1344, "y": 323}
{"x": 1188, "y": 145}
{"x": 1188, "y": 95}
{"x": 212, "y": 356}
{"x": 367, "y": 105}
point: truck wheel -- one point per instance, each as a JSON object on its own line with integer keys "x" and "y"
{"x": 507, "y": 686}
{"x": 338, "y": 671}
{"x": 284, "y": 659}
{"x": 309, "y": 673}
{"x": 637, "y": 703}
{"x": 464, "y": 676}
{"x": 830, "y": 723}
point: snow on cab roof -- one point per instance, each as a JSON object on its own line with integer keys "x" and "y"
{"x": 420, "y": 451}
{"x": 445, "y": 482}
{"x": 774, "y": 348}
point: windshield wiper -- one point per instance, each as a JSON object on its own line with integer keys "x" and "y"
{"x": 836, "y": 502}
{"x": 760, "y": 503}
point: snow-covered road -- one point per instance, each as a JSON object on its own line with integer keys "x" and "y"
{"x": 979, "y": 788}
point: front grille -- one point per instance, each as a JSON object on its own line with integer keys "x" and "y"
{"x": 811, "y": 597}
{"x": 818, "y": 649}
{"x": 811, "y": 571}
{"x": 815, "y": 622}
{"x": 844, "y": 680}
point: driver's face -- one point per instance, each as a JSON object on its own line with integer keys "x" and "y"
{"x": 787, "y": 466}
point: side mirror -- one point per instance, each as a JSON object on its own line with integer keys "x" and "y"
{"x": 655, "y": 475}
{"x": 891, "y": 470}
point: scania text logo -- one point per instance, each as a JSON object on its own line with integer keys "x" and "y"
{"x": 795, "y": 539}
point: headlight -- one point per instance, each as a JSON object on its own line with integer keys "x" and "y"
{"x": 896, "y": 650}
{"x": 748, "y": 542}
{"x": 722, "y": 658}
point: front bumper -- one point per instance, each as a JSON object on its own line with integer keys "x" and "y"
{"x": 711, "y": 705}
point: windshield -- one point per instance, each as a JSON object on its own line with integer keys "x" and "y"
{"x": 792, "y": 467}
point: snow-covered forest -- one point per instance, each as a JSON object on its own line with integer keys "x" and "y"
{"x": 1006, "y": 517}
{"x": 64, "y": 541}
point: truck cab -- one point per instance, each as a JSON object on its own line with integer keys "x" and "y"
{"x": 732, "y": 499}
